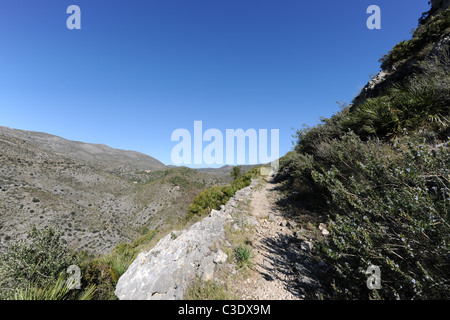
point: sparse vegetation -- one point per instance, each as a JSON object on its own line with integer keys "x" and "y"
{"x": 243, "y": 254}
{"x": 207, "y": 290}
{"x": 213, "y": 198}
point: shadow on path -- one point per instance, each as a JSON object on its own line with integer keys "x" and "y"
{"x": 285, "y": 261}
{"x": 286, "y": 257}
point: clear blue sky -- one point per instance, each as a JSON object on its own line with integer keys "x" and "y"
{"x": 138, "y": 70}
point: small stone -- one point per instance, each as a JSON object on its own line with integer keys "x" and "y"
{"x": 207, "y": 268}
{"x": 323, "y": 229}
{"x": 208, "y": 272}
{"x": 252, "y": 221}
{"x": 220, "y": 257}
{"x": 306, "y": 246}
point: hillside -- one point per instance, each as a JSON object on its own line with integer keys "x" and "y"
{"x": 97, "y": 155}
{"x": 376, "y": 174}
{"x": 98, "y": 196}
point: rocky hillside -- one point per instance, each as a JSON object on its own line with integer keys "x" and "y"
{"x": 376, "y": 175}
{"x": 98, "y": 196}
{"x": 97, "y": 155}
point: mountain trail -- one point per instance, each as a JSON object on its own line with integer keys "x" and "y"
{"x": 280, "y": 269}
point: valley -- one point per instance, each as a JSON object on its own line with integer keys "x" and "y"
{"x": 97, "y": 196}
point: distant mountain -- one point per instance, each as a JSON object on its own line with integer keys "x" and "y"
{"x": 95, "y": 154}
{"x": 96, "y": 195}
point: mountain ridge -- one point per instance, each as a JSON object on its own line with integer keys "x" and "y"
{"x": 91, "y": 152}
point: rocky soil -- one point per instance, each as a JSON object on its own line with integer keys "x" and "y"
{"x": 182, "y": 256}
{"x": 282, "y": 265}
{"x": 96, "y": 196}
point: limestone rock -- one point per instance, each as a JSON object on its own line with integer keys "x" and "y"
{"x": 323, "y": 229}
{"x": 220, "y": 257}
{"x": 164, "y": 271}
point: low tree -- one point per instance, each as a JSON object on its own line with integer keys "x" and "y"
{"x": 236, "y": 172}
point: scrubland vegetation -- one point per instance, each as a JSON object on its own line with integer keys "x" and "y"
{"x": 379, "y": 175}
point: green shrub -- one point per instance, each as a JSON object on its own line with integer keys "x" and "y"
{"x": 38, "y": 259}
{"x": 393, "y": 215}
{"x": 55, "y": 291}
{"x": 97, "y": 272}
{"x": 243, "y": 255}
{"x": 343, "y": 153}
{"x": 295, "y": 168}
{"x": 120, "y": 259}
{"x": 385, "y": 192}
{"x": 425, "y": 34}
{"x": 208, "y": 199}
{"x": 214, "y": 197}
{"x": 422, "y": 102}
{"x": 236, "y": 172}
{"x": 36, "y": 268}
{"x": 330, "y": 128}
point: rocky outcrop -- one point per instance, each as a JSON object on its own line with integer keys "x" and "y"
{"x": 164, "y": 272}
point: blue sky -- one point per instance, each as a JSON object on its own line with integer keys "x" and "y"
{"x": 138, "y": 70}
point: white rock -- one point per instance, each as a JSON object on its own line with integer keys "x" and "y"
{"x": 220, "y": 257}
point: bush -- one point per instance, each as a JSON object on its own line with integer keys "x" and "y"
{"x": 243, "y": 255}
{"x": 421, "y": 103}
{"x": 209, "y": 199}
{"x": 40, "y": 258}
{"x": 385, "y": 193}
{"x": 97, "y": 272}
{"x": 295, "y": 168}
{"x": 343, "y": 153}
{"x": 56, "y": 291}
{"x": 214, "y": 197}
{"x": 425, "y": 34}
{"x": 236, "y": 172}
{"x": 120, "y": 259}
{"x": 309, "y": 137}
{"x": 36, "y": 267}
{"x": 395, "y": 216}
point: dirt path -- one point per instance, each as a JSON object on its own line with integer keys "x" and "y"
{"x": 280, "y": 270}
